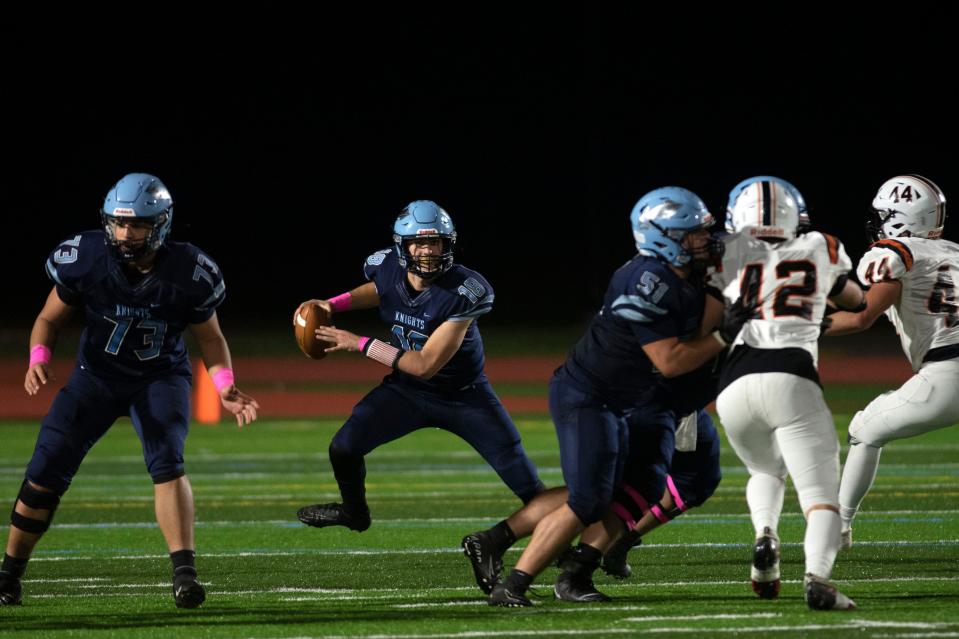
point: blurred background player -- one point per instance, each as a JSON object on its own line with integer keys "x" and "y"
{"x": 436, "y": 353}
{"x": 770, "y": 401}
{"x": 911, "y": 274}
{"x": 139, "y": 293}
{"x": 649, "y": 325}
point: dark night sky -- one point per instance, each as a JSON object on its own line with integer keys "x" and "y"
{"x": 290, "y": 150}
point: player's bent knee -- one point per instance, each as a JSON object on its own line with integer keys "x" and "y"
{"x": 528, "y": 495}
{"x": 35, "y": 497}
{"x": 588, "y": 511}
{"x": 340, "y": 454}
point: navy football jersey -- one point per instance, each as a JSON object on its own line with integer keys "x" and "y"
{"x": 458, "y": 295}
{"x": 646, "y": 301}
{"x": 135, "y": 329}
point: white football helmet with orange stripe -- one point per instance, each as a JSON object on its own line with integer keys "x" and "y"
{"x": 766, "y": 207}
{"x": 908, "y": 206}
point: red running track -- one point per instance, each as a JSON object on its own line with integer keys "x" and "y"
{"x": 267, "y": 379}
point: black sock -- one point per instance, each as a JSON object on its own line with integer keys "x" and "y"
{"x": 13, "y": 566}
{"x": 184, "y": 561}
{"x": 350, "y": 473}
{"x": 589, "y": 556}
{"x": 582, "y": 561}
{"x": 502, "y": 536}
{"x": 518, "y": 581}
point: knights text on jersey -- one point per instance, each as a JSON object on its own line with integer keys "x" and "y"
{"x": 927, "y": 313}
{"x": 791, "y": 281}
{"x": 458, "y": 295}
{"x": 646, "y": 301}
{"x": 135, "y": 329}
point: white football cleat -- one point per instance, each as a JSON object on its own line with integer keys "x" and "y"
{"x": 822, "y": 595}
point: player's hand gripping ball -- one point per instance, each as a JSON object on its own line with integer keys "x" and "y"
{"x": 308, "y": 317}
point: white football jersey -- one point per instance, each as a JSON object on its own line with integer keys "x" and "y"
{"x": 791, "y": 280}
{"x": 927, "y": 313}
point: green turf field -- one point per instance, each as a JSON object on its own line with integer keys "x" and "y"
{"x": 102, "y": 570}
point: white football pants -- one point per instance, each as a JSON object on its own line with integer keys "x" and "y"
{"x": 928, "y": 401}
{"x": 779, "y": 423}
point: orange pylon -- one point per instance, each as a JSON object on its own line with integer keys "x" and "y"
{"x": 206, "y": 399}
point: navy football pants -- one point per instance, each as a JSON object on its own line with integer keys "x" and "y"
{"x": 87, "y": 407}
{"x": 394, "y": 409}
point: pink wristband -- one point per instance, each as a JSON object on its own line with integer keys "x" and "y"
{"x": 362, "y": 344}
{"x": 39, "y": 354}
{"x": 223, "y": 378}
{"x": 341, "y": 303}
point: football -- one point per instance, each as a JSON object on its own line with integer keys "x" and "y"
{"x": 307, "y": 319}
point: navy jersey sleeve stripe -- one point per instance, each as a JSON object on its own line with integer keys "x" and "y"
{"x": 482, "y": 308}
{"x": 636, "y": 309}
{"x": 52, "y": 274}
{"x": 215, "y": 299}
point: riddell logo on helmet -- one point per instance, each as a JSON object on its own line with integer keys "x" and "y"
{"x": 121, "y": 212}
{"x": 427, "y": 232}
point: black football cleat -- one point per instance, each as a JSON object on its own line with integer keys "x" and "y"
{"x": 487, "y": 563}
{"x": 333, "y": 514}
{"x": 614, "y": 562}
{"x": 10, "y": 591}
{"x": 502, "y": 597}
{"x": 765, "y": 568}
{"x": 187, "y": 591}
{"x": 577, "y": 589}
{"x": 822, "y": 595}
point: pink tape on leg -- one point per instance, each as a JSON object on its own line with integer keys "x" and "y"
{"x": 675, "y": 493}
{"x": 659, "y": 514}
{"x": 642, "y": 503}
{"x": 620, "y": 511}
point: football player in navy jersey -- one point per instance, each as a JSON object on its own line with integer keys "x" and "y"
{"x": 650, "y": 325}
{"x": 436, "y": 353}
{"x": 139, "y": 292}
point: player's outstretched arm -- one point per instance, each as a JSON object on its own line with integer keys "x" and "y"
{"x": 362, "y": 297}
{"x": 438, "y": 349}
{"x": 43, "y": 339}
{"x": 878, "y": 298}
{"x": 216, "y": 356}
{"x": 672, "y": 357}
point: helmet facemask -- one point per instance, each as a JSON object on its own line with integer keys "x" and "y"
{"x": 427, "y": 267}
{"x": 130, "y": 250}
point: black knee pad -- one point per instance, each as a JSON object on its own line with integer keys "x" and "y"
{"x": 38, "y": 499}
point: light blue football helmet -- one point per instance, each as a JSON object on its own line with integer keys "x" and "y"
{"x": 137, "y": 196}
{"x": 419, "y": 219}
{"x": 767, "y": 207}
{"x": 663, "y": 217}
